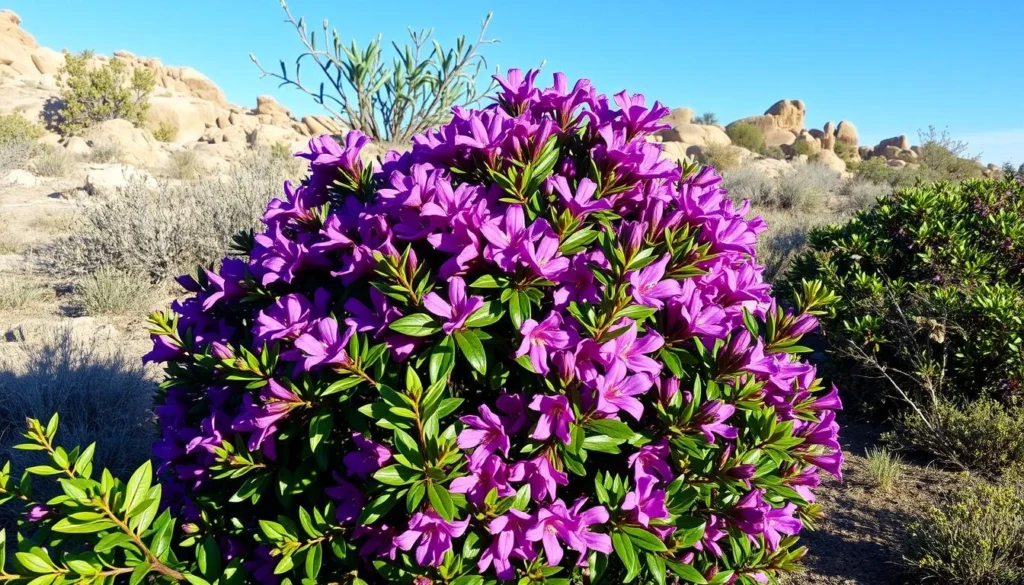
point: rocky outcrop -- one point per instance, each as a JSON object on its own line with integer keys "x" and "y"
{"x": 678, "y": 116}
{"x": 846, "y": 133}
{"x": 695, "y": 135}
{"x": 830, "y": 160}
{"x": 106, "y": 180}
{"x": 135, "y": 145}
{"x": 788, "y": 114}
{"x": 779, "y": 138}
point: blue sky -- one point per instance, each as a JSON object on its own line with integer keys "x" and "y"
{"x": 891, "y": 67}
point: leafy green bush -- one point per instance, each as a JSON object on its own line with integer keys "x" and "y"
{"x": 983, "y": 434}
{"x": 775, "y": 152}
{"x": 165, "y": 132}
{"x": 933, "y": 295}
{"x": 17, "y": 128}
{"x": 746, "y": 135}
{"x": 876, "y": 170}
{"x": 706, "y": 119}
{"x": 801, "y": 147}
{"x": 946, "y": 159}
{"x": 94, "y": 94}
{"x": 845, "y": 151}
{"x": 975, "y": 538}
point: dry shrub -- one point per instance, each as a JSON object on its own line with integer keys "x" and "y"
{"x": 17, "y": 292}
{"x": 111, "y": 292}
{"x": 52, "y": 161}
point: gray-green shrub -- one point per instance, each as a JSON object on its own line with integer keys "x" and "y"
{"x": 109, "y": 291}
{"x": 170, "y": 230}
{"x": 983, "y": 435}
{"x": 746, "y": 135}
{"x": 52, "y": 161}
{"x": 976, "y": 537}
{"x": 807, "y": 187}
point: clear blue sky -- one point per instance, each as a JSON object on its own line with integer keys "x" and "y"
{"x": 889, "y": 66}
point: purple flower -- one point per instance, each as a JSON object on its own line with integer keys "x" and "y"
{"x": 458, "y": 310}
{"x": 486, "y": 432}
{"x": 287, "y": 318}
{"x": 749, "y": 513}
{"x": 368, "y": 459}
{"x": 492, "y": 473}
{"x": 632, "y": 353}
{"x": 582, "y": 203}
{"x": 542, "y": 476}
{"x": 539, "y": 338}
{"x": 652, "y": 461}
{"x": 832, "y": 463}
{"x": 616, "y": 391}
{"x": 378, "y": 540}
{"x": 434, "y": 535}
{"x": 779, "y": 521}
{"x": 509, "y": 542}
{"x": 324, "y": 346}
{"x": 650, "y": 287}
{"x": 350, "y": 500}
{"x": 540, "y": 252}
{"x": 645, "y": 502}
{"x": 505, "y": 243}
{"x": 555, "y": 416}
{"x": 711, "y": 419}
{"x": 570, "y": 526}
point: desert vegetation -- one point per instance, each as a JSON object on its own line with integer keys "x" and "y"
{"x": 484, "y": 361}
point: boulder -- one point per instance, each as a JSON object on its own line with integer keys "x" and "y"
{"x": 107, "y": 179}
{"x": 198, "y": 84}
{"x": 695, "y": 134}
{"x": 897, "y": 163}
{"x": 765, "y": 123}
{"x": 679, "y": 151}
{"x": 828, "y": 137}
{"x": 806, "y": 143}
{"x": 16, "y": 46}
{"x": 770, "y": 167}
{"x": 77, "y": 146}
{"x": 865, "y": 152}
{"x": 788, "y": 114}
{"x": 846, "y": 133}
{"x": 269, "y": 135}
{"x": 319, "y": 125}
{"x": 678, "y": 116}
{"x": 19, "y": 178}
{"x": 779, "y": 138}
{"x": 891, "y": 152}
{"x": 830, "y": 160}
{"x": 189, "y": 116}
{"x": 137, "y": 145}
{"x": 47, "y": 61}
{"x": 907, "y": 156}
{"x": 901, "y": 142}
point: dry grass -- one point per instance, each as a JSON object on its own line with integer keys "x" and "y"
{"x": 185, "y": 165}
{"x": 100, "y": 392}
{"x": 10, "y": 241}
{"x": 884, "y": 467}
{"x": 17, "y": 292}
{"x": 787, "y": 236}
{"x": 106, "y": 153}
{"x": 52, "y": 161}
{"x": 170, "y": 230}
{"x": 110, "y": 292}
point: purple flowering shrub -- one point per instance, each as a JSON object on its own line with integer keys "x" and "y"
{"x": 528, "y": 350}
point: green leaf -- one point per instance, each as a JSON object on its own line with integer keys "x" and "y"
{"x": 442, "y": 502}
{"x": 577, "y": 241}
{"x": 396, "y": 475}
{"x": 319, "y": 429}
{"x": 656, "y": 567}
{"x": 416, "y": 325}
{"x": 686, "y": 572}
{"x": 208, "y": 557}
{"x": 489, "y": 314}
{"x": 314, "y": 559}
{"x": 67, "y": 526}
{"x": 140, "y": 572}
{"x": 442, "y": 358}
{"x": 624, "y": 549}
{"x": 138, "y": 486}
{"x": 36, "y": 561}
{"x": 644, "y": 539}
{"x": 612, "y": 428}
{"x": 471, "y": 347}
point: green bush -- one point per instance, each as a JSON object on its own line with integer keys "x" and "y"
{"x": 983, "y": 434}
{"x": 876, "y": 170}
{"x": 17, "y": 128}
{"x": 165, "y": 132}
{"x": 801, "y": 147}
{"x": 845, "y": 151}
{"x": 946, "y": 159}
{"x": 974, "y": 538}
{"x": 773, "y": 152}
{"x": 706, "y": 119}
{"x": 94, "y": 94}
{"x": 746, "y": 135}
{"x": 933, "y": 295}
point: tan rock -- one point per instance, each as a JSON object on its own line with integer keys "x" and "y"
{"x": 865, "y": 152}
{"x": 765, "y": 123}
{"x": 788, "y": 114}
{"x": 897, "y": 163}
{"x": 189, "y": 116}
{"x": 319, "y": 125}
{"x": 828, "y": 136}
{"x": 77, "y": 146}
{"x": 678, "y": 116}
{"x": 806, "y": 143}
{"x": 268, "y": 136}
{"x": 907, "y": 156}
{"x": 679, "y": 151}
{"x": 47, "y": 60}
{"x": 19, "y": 178}
{"x": 846, "y": 133}
{"x": 779, "y": 138}
{"x": 695, "y": 134}
{"x": 891, "y": 152}
{"x": 830, "y": 160}
{"x": 901, "y": 142}
{"x": 107, "y": 179}
{"x": 770, "y": 167}
{"x": 199, "y": 85}
{"x": 137, "y": 145}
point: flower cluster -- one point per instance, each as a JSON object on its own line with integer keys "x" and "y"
{"x": 526, "y": 349}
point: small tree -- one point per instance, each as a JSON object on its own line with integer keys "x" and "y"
{"x": 387, "y": 102}
{"x": 746, "y": 135}
{"x": 706, "y": 119}
{"x": 92, "y": 95}
{"x": 945, "y": 158}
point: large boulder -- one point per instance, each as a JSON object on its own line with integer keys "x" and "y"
{"x": 137, "y": 145}
{"x": 779, "y": 138}
{"x": 16, "y": 47}
{"x": 188, "y": 116}
{"x": 846, "y": 133}
{"x": 108, "y": 179}
{"x": 678, "y": 116}
{"x": 269, "y": 136}
{"x": 788, "y": 114}
{"x": 47, "y": 61}
{"x": 695, "y": 134}
{"x": 901, "y": 142}
{"x": 77, "y": 147}
{"x": 766, "y": 123}
{"x": 830, "y": 160}
{"x": 770, "y": 167}
{"x": 828, "y": 136}
{"x": 19, "y": 178}
{"x": 319, "y": 125}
